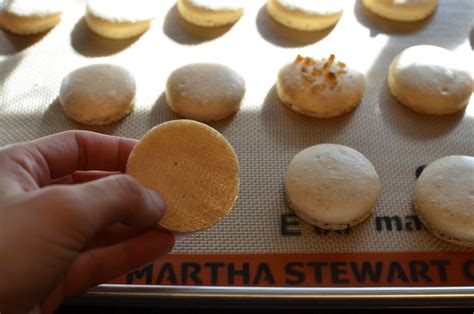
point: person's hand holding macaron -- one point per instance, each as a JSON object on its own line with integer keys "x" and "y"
{"x": 69, "y": 219}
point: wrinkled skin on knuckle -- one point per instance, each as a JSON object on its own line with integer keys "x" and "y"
{"x": 15, "y": 163}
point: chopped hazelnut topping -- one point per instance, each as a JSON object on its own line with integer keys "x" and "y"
{"x": 331, "y": 76}
{"x": 329, "y": 62}
{"x": 308, "y": 77}
{"x": 309, "y": 61}
{"x": 326, "y": 65}
{"x": 332, "y": 58}
{"x": 310, "y": 70}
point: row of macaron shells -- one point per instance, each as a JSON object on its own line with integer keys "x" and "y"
{"x": 327, "y": 76}
{"x": 335, "y": 187}
{"x": 320, "y": 88}
{"x": 327, "y": 185}
{"x": 123, "y": 19}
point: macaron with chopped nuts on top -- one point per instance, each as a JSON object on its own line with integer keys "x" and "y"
{"x": 320, "y": 88}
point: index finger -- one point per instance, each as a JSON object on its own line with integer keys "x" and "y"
{"x": 61, "y": 154}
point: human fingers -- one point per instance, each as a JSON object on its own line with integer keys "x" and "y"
{"x": 115, "y": 234}
{"x": 81, "y": 211}
{"x": 61, "y": 154}
{"x": 100, "y": 265}
{"x": 120, "y": 198}
{"x": 83, "y": 177}
{"x": 61, "y": 220}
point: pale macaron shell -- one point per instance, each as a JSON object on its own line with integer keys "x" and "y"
{"x": 205, "y": 91}
{"x": 306, "y": 15}
{"x": 331, "y": 186}
{"x": 430, "y": 79}
{"x": 402, "y": 10}
{"x": 211, "y": 13}
{"x": 115, "y": 30}
{"x": 318, "y": 98}
{"x": 119, "y": 19}
{"x": 98, "y": 94}
{"x": 28, "y": 17}
{"x": 444, "y": 199}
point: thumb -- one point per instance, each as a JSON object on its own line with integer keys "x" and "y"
{"x": 120, "y": 198}
{"x": 113, "y": 199}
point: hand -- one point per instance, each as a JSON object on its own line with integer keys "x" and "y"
{"x": 69, "y": 221}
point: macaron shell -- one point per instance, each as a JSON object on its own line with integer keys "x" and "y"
{"x": 194, "y": 169}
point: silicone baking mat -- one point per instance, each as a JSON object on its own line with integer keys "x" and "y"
{"x": 261, "y": 242}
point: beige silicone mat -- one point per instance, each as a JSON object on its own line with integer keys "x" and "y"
{"x": 264, "y": 133}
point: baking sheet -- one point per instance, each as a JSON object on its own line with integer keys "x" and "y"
{"x": 265, "y": 134}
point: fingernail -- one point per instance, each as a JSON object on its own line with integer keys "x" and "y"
{"x": 158, "y": 202}
{"x": 182, "y": 235}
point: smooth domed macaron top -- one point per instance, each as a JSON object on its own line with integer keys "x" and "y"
{"x": 444, "y": 198}
{"x": 33, "y": 7}
{"x": 332, "y": 186}
{"x": 123, "y": 10}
